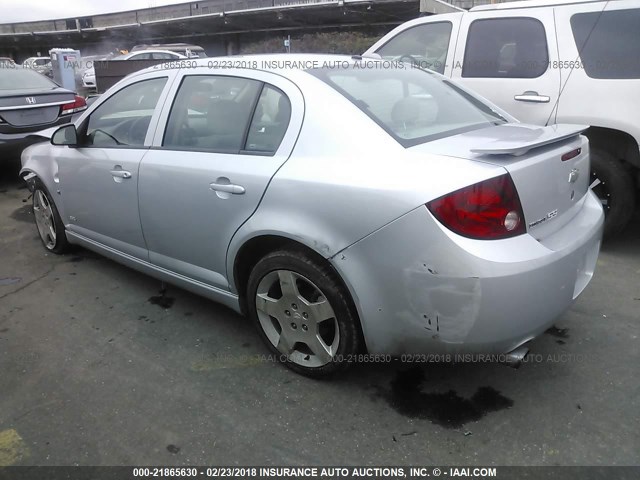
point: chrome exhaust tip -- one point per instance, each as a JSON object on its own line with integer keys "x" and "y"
{"x": 515, "y": 357}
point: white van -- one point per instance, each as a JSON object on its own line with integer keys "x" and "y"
{"x": 545, "y": 62}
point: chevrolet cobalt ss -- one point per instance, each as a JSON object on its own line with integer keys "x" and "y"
{"x": 345, "y": 205}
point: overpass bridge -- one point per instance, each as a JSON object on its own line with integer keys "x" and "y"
{"x": 220, "y": 26}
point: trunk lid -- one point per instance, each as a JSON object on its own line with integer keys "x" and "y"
{"x": 551, "y": 189}
{"x": 21, "y": 108}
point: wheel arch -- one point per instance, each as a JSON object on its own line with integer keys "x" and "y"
{"x": 255, "y": 248}
{"x": 618, "y": 142}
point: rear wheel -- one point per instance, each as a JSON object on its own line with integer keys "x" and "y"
{"x": 614, "y": 187}
{"x": 48, "y": 221}
{"x": 302, "y": 313}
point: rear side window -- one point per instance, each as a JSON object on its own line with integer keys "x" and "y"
{"x": 211, "y": 113}
{"x": 270, "y": 121}
{"x": 426, "y": 45}
{"x": 142, "y": 56}
{"x": 609, "y": 43}
{"x": 506, "y": 48}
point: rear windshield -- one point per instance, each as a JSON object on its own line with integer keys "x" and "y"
{"x": 412, "y": 105}
{"x": 23, "y": 78}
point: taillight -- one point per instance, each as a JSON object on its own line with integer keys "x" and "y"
{"x": 79, "y": 104}
{"x": 488, "y": 210}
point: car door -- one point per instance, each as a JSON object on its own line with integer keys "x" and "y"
{"x": 99, "y": 178}
{"x": 600, "y": 47}
{"x": 510, "y": 57}
{"x": 217, "y": 146}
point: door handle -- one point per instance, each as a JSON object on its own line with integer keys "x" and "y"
{"x": 532, "y": 97}
{"x": 227, "y": 188}
{"x": 121, "y": 173}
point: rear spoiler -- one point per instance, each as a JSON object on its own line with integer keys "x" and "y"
{"x": 517, "y": 139}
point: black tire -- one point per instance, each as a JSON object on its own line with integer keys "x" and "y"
{"x": 344, "y": 322}
{"x": 615, "y": 190}
{"x": 59, "y": 245}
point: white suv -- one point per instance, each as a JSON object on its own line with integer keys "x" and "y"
{"x": 547, "y": 62}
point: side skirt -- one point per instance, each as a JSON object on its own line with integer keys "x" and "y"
{"x": 217, "y": 295}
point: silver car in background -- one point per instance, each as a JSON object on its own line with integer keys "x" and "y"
{"x": 345, "y": 205}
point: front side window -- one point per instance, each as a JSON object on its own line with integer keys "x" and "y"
{"x": 426, "y": 45}
{"x": 211, "y": 113}
{"x": 506, "y": 48}
{"x": 123, "y": 119}
{"x": 414, "y": 106}
{"x": 609, "y": 43}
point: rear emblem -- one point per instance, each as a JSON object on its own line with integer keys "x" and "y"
{"x": 573, "y": 175}
{"x": 548, "y": 216}
{"x": 30, "y": 100}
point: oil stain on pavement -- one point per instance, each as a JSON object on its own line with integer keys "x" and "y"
{"x": 23, "y": 214}
{"x": 557, "y": 332}
{"x": 162, "y": 300}
{"x": 447, "y": 409}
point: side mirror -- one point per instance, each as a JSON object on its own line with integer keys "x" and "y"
{"x": 65, "y": 135}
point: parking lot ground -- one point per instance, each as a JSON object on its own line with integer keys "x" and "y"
{"x": 97, "y": 368}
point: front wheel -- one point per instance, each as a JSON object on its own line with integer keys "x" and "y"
{"x": 303, "y": 313}
{"x": 48, "y": 221}
{"x": 614, "y": 187}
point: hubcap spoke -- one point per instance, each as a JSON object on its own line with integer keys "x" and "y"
{"x": 288, "y": 284}
{"x": 321, "y": 310}
{"x": 268, "y": 305}
{"x": 52, "y": 232}
{"x": 284, "y": 344}
{"x": 321, "y": 350}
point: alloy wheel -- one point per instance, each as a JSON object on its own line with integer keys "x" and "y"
{"x": 297, "y": 318}
{"x": 43, "y": 214}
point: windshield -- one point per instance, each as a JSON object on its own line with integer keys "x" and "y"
{"x": 23, "y": 78}
{"x": 414, "y": 106}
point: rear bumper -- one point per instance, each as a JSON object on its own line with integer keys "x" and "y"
{"x": 17, "y": 139}
{"x": 421, "y": 288}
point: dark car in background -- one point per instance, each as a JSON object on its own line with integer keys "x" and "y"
{"x": 30, "y": 102}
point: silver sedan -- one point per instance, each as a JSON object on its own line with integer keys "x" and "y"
{"x": 346, "y": 205}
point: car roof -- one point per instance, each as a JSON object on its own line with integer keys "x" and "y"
{"x": 282, "y": 63}
{"x": 166, "y": 46}
{"x": 149, "y": 50}
{"x": 292, "y": 66}
{"x": 530, "y": 4}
